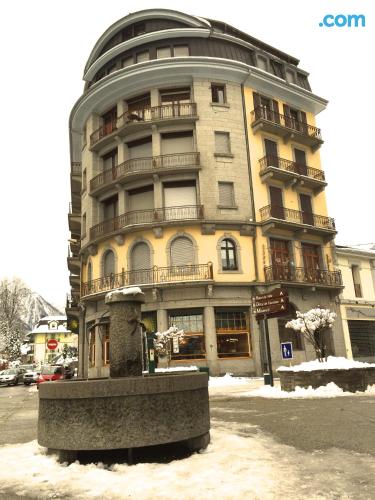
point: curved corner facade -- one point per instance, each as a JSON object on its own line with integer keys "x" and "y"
{"x": 196, "y": 175}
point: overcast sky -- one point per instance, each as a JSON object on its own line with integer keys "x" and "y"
{"x": 44, "y": 47}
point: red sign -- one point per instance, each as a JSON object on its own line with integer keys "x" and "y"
{"x": 52, "y": 344}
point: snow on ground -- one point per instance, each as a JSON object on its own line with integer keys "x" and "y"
{"x": 235, "y": 466}
{"x": 332, "y": 363}
{"x": 330, "y": 390}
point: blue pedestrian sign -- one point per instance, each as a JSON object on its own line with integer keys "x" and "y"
{"x": 287, "y": 350}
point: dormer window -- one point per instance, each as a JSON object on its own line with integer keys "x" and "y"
{"x": 52, "y": 325}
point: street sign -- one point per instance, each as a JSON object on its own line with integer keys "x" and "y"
{"x": 287, "y": 350}
{"x": 271, "y": 309}
{"x": 272, "y": 304}
{"x": 277, "y": 292}
{"x": 52, "y": 344}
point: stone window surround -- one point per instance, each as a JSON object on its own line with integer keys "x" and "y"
{"x": 220, "y": 270}
{"x": 178, "y": 235}
{"x": 137, "y": 240}
{"x": 107, "y": 249}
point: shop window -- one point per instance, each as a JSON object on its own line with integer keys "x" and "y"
{"x": 232, "y": 331}
{"x": 104, "y": 331}
{"x": 191, "y": 346}
{"x": 91, "y": 331}
{"x": 362, "y": 338}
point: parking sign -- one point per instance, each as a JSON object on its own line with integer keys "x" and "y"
{"x": 287, "y": 350}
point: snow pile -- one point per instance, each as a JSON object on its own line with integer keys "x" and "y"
{"x": 330, "y": 390}
{"x": 132, "y": 290}
{"x": 332, "y": 363}
{"x": 177, "y": 369}
{"x": 228, "y": 380}
{"x": 236, "y": 465}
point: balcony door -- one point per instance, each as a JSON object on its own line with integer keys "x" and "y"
{"x": 140, "y": 205}
{"x": 276, "y": 202}
{"x": 175, "y": 102}
{"x": 306, "y": 208}
{"x": 109, "y": 121}
{"x": 140, "y": 264}
{"x": 139, "y": 108}
{"x": 300, "y": 160}
{"x": 271, "y": 153}
{"x": 311, "y": 262}
{"x": 180, "y": 200}
{"x": 280, "y": 259}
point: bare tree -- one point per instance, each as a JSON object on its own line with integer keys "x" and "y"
{"x": 12, "y": 295}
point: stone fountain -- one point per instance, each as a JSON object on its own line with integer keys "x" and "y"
{"x": 127, "y": 410}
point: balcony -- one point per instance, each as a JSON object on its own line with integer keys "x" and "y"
{"x": 316, "y": 277}
{"x": 74, "y": 281}
{"x": 137, "y": 167}
{"x": 274, "y": 217}
{"x": 155, "y": 276}
{"x": 143, "y": 217}
{"x": 291, "y": 173}
{"x": 76, "y": 177}
{"x": 74, "y": 221}
{"x": 287, "y": 127}
{"x": 74, "y": 264}
{"x": 136, "y": 120}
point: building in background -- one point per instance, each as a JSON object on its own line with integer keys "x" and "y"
{"x": 50, "y": 328}
{"x": 195, "y": 174}
{"x": 357, "y": 265}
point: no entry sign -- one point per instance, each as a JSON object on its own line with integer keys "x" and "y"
{"x": 52, "y": 344}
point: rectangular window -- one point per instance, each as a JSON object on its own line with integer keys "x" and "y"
{"x": 277, "y": 69}
{"x": 109, "y": 160}
{"x": 104, "y": 331}
{"x": 232, "y": 330}
{"x": 163, "y": 52}
{"x": 175, "y": 96}
{"x": 181, "y": 51}
{"x": 226, "y": 194}
{"x": 222, "y": 143}
{"x": 127, "y": 61}
{"x": 191, "y": 346}
{"x": 83, "y": 229}
{"x": 91, "y": 330}
{"x": 218, "y": 93}
{"x": 143, "y": 56}
{"x": 302, "y": 81}
{"x": 356, "y": 281}
{"x": 84, "y": 181}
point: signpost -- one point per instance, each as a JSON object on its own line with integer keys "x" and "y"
{"x": 52, "y": 344}
{"x": 270, "y": 305}
{"x": 287, "y": 350}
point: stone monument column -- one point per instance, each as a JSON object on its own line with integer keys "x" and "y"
{"x": 125, "y": 336}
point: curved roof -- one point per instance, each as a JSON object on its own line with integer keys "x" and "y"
{"x": 192, "y": 21}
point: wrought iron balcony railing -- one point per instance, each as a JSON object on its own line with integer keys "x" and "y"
{"x": 153, "y": 215}
{"x": 146, "y": 114}
{"x": 139, "y": 165}
{"x": 266, "y": 114}
{"x": 154, "y": 275}
{"x": 297, "y": 217}
{"x": 288, "y": 273}
{"x": 290, "y": 166}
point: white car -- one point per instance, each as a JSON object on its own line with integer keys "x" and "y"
{"x": 31, "y": 376}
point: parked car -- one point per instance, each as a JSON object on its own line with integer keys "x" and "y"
{"x": 12, "y": 376}
{"x": 50, "y": 373}
{"x": 31, "y": 376}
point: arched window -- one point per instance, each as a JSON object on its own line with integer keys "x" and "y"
{"x": 109, "y": 263}
{"x": 182, "y": 252}
{"x": 89, "y": 272}
{"x": 140, "y": 257}
{"x": 228, "y": 255}
{"x": 140, "y": 264}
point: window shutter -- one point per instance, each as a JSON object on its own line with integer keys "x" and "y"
{"x": 140, "y": 257}
{"x": 109, "y": 263}
{"x": 222, "y": 142}
{"x": 143, "y": 200}
{"x": 304, "y": 122}
{"x": 182, "y": 252}
{"x": 256, "y": 99}
{"x": 226, "y": 194}
{"x": 275, "y": 114}
{"x": 287, "y": 120}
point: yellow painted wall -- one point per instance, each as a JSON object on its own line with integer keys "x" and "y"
{"x": 290, "y": 196}
{"x": 206, "y": 252}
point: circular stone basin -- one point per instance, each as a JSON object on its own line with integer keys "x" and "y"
{"x": 105, "y": 414}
